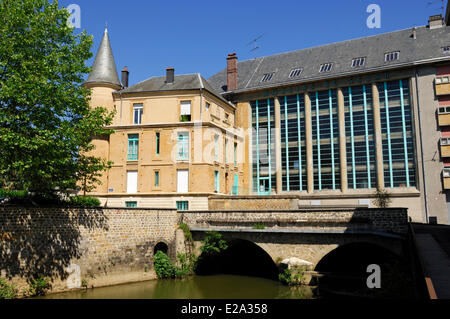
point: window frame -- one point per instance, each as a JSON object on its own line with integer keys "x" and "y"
{"x": 391, "y": 56}
{"x": 326, "y": 67}
{"x": 267, "y": 77}
{"x": 183, "y": 146}
{"x": 133, "y": 145}
{"x": 138, "y": 107}
{"x": 157, "y": 178}
{"x": 361, "y": 61}
{"x": 295, "y": 73}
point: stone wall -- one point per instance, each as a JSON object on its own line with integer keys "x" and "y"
{"x": 387, "y": 220}
{"x": 102, "y": 246}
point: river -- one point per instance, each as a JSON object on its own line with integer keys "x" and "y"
{"x": 194, "y": 287}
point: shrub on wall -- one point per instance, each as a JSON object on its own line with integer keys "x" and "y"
{"x": 163, "y": 265}
{"x": 6, "y": 291}
{"x": 84, "y": 201}
{"x": 38, "y": 287}
{"x": 213, "y": 243}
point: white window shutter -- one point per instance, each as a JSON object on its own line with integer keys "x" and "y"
{"x": 182, "y": 181}
{"x": 132, "y": 182}
{"x": 185, "y": 108}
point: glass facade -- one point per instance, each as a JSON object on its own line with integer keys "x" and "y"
{"x": 325, "y": 140}
{"x": 293, "y": 147}
{"x": 357, "y": 123}
{"x": 360, "y": 138}
{"x": 397, "y": 135}
{"x": 263, "y": 146}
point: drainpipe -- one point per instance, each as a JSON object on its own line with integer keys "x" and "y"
{"x": 120, "y": 108}
{"x": 421, "y": 148}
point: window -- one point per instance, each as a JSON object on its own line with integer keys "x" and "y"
{"x": 267, "y": 77}
{"x": 446, "y": 172}
{"x": 216, "y": 181}
{"x": 226, "y": 148}
{"x": 183, "y": 205}
{"x": 182, "y": 181}
{"x": 157, "y": 142}
{"x": 391, "y": 56}
{"x": 326, "y": 67}
{"x": 444, "y": 110}
{"x": 207, "y": 106}
{"x": 446, "y": 49}
{"x": 138, "y": 110}
{"x": 445, "y": 140}
{"x": 133, "y": 147}
{"x": 156, "y": 178}
{"x": 132, "y": 177}
{"x": 183, "y": 146}
{"x": 295, "y": 72}
{"x": 185, "y": 111}
{"x": 235, "y": 188}
{"x": 235, "y": 154}
{"x": 227, "y": 117}
{"x": 442, "y": 79}
{"x": 216, "y": 147}
{"x": 358, "y": 62}
{"x": 130, "y": 204}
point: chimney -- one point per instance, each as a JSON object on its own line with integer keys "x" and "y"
{"x": 232, "y": 72}
{"x": 435, "y": 21}
{"x": 125, "y": 75}
{"x": 170, "y": 75}
{"x": 414, "y": 33}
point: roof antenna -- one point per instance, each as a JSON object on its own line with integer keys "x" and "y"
{"x": 255, "y": 45}
{"x": 442, "y": 5}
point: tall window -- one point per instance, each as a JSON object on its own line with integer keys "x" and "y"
{"x": 397, "y": 134}
{"x": 235, "y": 154}
{"x": 183, "y": 146}
{"x": 226, "y": 149}
{"x": 293, "y": 147}
{"x": 325, "y": 140}
{"x": 132, "y": 182}
{"x": 138, "y": 110}
{"x": 185, "y": 111}
{"x": 216, "y": 181}
{"x": 263, "y": 146}
{"x": 216, "y": 148}
{"x": 157, "y": 142}
{"x": 360, "y": 141}
{"x": 133, "y": 147}
{"x": 156, "y": 178}
{"x": 182, "y": 181}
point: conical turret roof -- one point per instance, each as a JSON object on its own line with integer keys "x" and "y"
{"x": 104, "y": 68}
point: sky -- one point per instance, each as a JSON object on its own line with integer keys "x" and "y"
{"x": 195, "y": 36}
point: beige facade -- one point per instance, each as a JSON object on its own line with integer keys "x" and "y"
{"x": 160, "y": 125}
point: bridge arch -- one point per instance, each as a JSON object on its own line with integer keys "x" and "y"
{"x": 242, "y": 257}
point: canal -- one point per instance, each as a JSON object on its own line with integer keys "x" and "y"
{"x": 194, "y": 287}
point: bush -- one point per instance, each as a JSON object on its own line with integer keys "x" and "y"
{"x": 22, "y": 194}
{"x": 382, "y": 198}
{"x": 38, "y": 287}
{"x": 293, "y": 277}
{"x": 259, "y": 226}
{"x": 6, "y": 291}
{"x": 84, "y": 201}
{"x": 163, "y": 265}
{"x": 213, "y": 244}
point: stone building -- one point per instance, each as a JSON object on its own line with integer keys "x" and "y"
{"x": 325, "y": 125}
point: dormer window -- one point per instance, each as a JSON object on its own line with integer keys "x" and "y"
{"x": 267, "y": 77}
{"x": 295, "y": 72}
{"x": 357, "y": 62}
{"x": 446, "y": 49}
{"x": 391, "y": 56}
{"x": 326, "y": 67}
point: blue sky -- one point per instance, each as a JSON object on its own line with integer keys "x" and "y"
{"x": 195, "y": 36}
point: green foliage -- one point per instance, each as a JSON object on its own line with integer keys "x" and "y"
{"x": 6, "y": 291}
{"x": 163, "y": 265}
{"x": 185, "y": 118}
{"x": 38, "y": 287}
{"x": 294, "y": 276}
{"x": 46, "y": 123}
{"x": 186, "y": 264}
{"x": 14, "y": 194}
{"x": 84, "y": 283}
{"x": 382, "y": 198}
{"x": 84, "y": 201}
{"x": 187, "y": 232}
{"x": 259, "y": 226}
{"x": 213, "y": 244}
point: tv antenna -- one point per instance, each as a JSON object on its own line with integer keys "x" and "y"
{"x": 442, "y": 5}
{"x": 255, "y": 45}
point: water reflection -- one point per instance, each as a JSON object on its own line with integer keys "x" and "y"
{"x": 195, "y": 287}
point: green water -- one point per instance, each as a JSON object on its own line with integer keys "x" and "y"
{"x": 195, "y": 287}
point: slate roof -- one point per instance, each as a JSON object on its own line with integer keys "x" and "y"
{"x": 104, "y": 68}
{"x": 181, "y": 82}
{"x": 427, "y": 45}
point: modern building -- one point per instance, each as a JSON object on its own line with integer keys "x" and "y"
{"x": 325, "y": 125}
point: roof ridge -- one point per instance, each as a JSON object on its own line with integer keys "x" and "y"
{"x": 332, "y": 43}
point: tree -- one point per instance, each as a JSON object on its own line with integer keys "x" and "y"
{"x": 382, "y": 198}
{"x": 46, "y": 123}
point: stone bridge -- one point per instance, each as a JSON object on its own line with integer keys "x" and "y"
{"x": 309, "y": 234}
